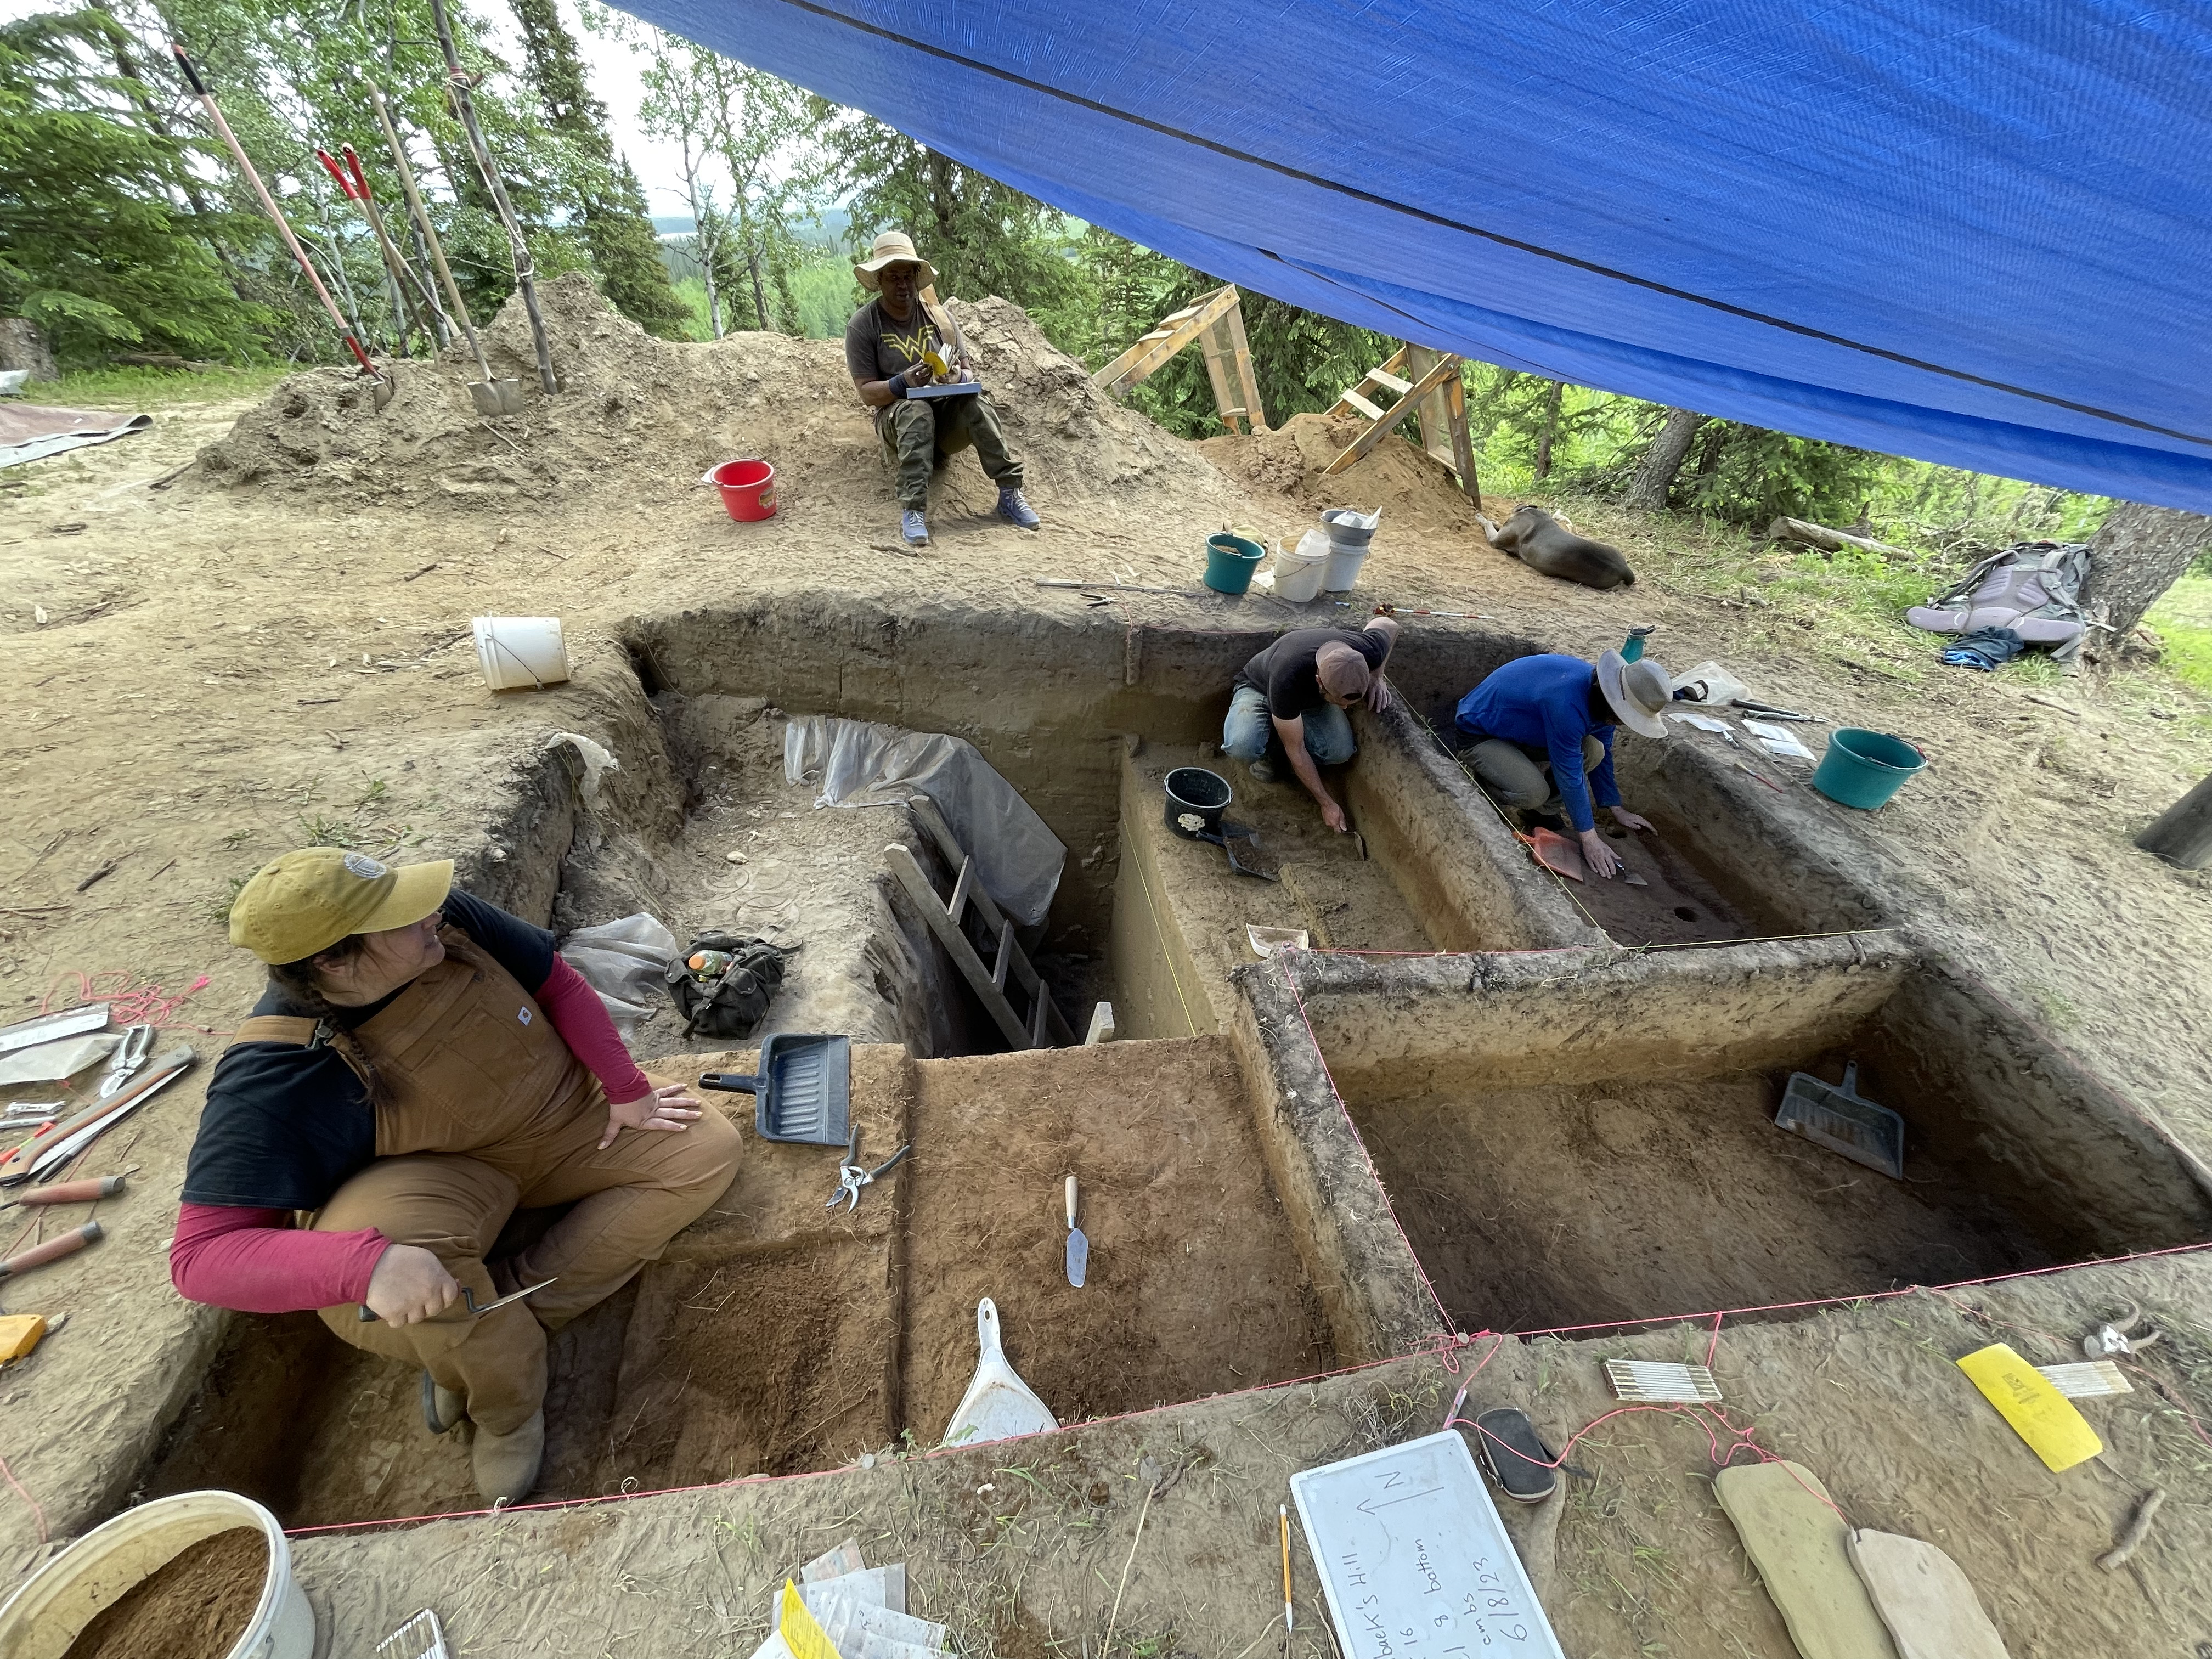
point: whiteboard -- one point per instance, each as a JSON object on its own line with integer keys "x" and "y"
{"x": 1413, "y": 1559}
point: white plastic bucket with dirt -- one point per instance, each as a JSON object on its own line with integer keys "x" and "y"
{"x": 42, "y": 1619}
{"x": 1299, "y": 570}
{"x": 518, "y": 653}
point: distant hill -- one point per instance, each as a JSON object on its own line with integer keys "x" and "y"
{"x": 827, "y": 229}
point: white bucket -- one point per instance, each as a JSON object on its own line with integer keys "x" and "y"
{"x": 1298, "y": 573}
{"x": 1343, "y": 571}
{"x": 515, "y": 652}
{"x": 50, "y": 1612}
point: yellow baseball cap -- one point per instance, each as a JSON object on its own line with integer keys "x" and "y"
{"x": 306, "y": 901}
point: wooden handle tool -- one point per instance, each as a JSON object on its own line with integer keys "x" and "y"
{"x": 71, "y": 1191}
{"x": 52, "y": 1250}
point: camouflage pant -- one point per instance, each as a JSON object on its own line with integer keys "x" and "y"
{"x": 919, "y": 429}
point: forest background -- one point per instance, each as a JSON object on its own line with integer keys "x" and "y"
{"x": 131, "y": 244}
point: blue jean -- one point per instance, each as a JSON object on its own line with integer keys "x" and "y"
{"x": 1249, "y": 731}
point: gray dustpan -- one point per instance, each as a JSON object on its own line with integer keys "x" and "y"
{"x": 1840, "y": 1118}
{"x": 803, "y": 1091}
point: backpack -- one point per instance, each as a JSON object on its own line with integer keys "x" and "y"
{"x": 731, "y": 1003}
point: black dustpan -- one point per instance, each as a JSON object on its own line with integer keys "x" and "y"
{"x": 803, "y": 1091}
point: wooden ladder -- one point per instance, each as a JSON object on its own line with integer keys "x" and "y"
{"x": 1041, "y": 1026}
{"x": 1217, "y": 323}
{"x": 1435, "y": 391}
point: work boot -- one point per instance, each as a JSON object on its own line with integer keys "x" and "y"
{"x": 1263, "y": 770}
{"x": 506, "y": 1465}
{"x": 441, "y": 1407}
{"x": 914, "y": 527}
{"x": 1016, "y": 511}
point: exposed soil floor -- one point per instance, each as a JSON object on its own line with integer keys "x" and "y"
{"x": 774, "y": 1337}
{"x": 1539, "y": 1208}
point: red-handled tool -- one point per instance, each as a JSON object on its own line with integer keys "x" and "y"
{"x": 53, "y": 1249}
{"x": 71, "y": 1191}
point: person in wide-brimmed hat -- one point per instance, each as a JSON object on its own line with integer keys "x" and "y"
{"x": 1542, "y": 729}
{"x": 420, "y": 1067}
{"x": 887, "y": 346}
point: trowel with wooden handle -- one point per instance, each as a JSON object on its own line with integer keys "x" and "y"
{"x": 1079, "y": 1247}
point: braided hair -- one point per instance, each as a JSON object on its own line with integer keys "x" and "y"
{"x": 301, "y": 985}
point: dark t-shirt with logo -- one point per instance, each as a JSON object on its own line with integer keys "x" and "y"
{"x": 877, "y": 348}
{"x": 286, "y": 1127}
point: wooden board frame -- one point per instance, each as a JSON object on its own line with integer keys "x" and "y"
{"x": 1216, "y": 325}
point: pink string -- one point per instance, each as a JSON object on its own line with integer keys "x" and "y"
{"x": 129, "y": 1003}
{"x": 27, "y": 1497}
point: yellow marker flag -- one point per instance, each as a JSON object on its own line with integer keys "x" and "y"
{"x": 2039, "y": 1413}
{"x": 802, "y": 1633}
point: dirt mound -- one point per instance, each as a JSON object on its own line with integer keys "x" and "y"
{"x": 642, "y": 418}
{"x": 1416, "y": 491}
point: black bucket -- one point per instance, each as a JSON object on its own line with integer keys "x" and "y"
{"x": 1196, "y": 800}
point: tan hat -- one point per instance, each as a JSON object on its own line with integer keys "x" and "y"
{"x": 1342, "y": 670}
{"x": 1639, "y": 691}
{"x": 306, "y": 901}
{"x": 894, "y": 247}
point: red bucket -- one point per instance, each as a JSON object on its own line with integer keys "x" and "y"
{"x": 748, "y": 488}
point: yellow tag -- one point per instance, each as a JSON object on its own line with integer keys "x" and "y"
{"x": 2039, "y": 1413}
{"x": 937, "y": 364}
{"x": 19, "y": 1335}
{"x": 800, "y": 1631}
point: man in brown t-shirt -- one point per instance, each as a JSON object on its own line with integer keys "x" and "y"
{"x": 886, "y": 348}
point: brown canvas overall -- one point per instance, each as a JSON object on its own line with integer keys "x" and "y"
{"x": 488, "y": 1111}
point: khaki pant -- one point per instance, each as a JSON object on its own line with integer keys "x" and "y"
{"x": 487, "y": 1113}
{"x": 1516, "y": 778}
{"x": 918, "y": 429}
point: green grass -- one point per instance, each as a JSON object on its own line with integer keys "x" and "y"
{"x": 135, "y": 389}
{"x": 2183, "y": 619}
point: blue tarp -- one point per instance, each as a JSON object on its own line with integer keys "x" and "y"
{"x": 1974, "y": 234}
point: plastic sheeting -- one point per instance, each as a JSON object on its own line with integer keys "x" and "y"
{"x": 859, "y": 763}
{"x": 1974, "y": 235}
{"x": 626, "y": 962}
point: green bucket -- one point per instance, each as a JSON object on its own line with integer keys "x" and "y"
{"x": 1865, "y": 769}
{"x": 1229, "y": 561}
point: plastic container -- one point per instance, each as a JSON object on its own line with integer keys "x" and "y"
{"x": 1298, "y": 573}
{"x": 1350, "y": 530}
{"x": 520, "y": 652}
{"x": 1865, "y": 769}
{"x": 1196, "y": 799}
{"x": 52, "y": 1607}
{"x": 748, "y": 488}
{"x": 11, "y": 381}
{"x": 1230, "y": 559}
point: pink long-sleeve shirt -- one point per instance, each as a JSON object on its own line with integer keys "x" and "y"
{"x": 256, "y": 1261}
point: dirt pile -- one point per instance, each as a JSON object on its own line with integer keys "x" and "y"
{"x": 643, "y": 418}
{"x": 1416, "y": 491}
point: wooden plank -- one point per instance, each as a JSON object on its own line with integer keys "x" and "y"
{"x": 1403, "y": 407}
{"x": 910, "y": 877}
{"x": 1141, "y": 361}
{"x": 1462, "y": 445}
{"x": 1220, "y": 365}
{"x": 1391, "y": 382}
{"x": 1101, "y": 1026}
{"x": 1040, "y": 1012}
{"x": 1006, "y": 953}
{"x": 1435, "y": 424}
{"x": 1020, "y": 971}
{"x": 1397, "y": 360}
{"x": 1246, "y": 380}
{"x": 1372, "y": 412}
{"x": 958, "y": 907}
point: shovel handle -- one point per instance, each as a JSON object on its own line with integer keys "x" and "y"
{"x": 1071, "y": 1203}
{"x": 52, "y": 1250}
{"x": 74, "y": 1192}
{"x": 730, "y": 1083}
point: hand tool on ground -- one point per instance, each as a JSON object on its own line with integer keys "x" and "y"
{"x": 129, "y": 1057}
{"x": 491, "y": 396}
{"x": 419, "y": 1638}
{"x": 276, "y": 214}
{"x": 71, "y": 1191}
{"x": 1079, "y": 1247}
{"x": 1359, "y": 840}
{"x": 1768, "y": 711}
{"x": 997, "y": 1404}
{"x": 2117, "y": 1336}
{"x": 803, "y": 1091}
{"x": 1750, "y": 771}
{"x": 1290, "y": 1619}
{"x": 51, "y": 1027}
{"x": 50, "y": 1148}
{"x": 851, "y": 1177}
{"x": 1404, "y": 611}
{"x": 1115, "y": 586}
{"x": 469, "y": 1299}
{"x": 53, "y": 1249}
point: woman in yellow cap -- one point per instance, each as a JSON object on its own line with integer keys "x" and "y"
{"x": 422, "y": 1065}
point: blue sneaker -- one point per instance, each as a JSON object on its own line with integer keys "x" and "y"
{"x": 915, "y": 528}
{"x": 1016, "y": 511}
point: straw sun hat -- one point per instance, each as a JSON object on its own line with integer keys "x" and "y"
{"x": 894, "y": 247}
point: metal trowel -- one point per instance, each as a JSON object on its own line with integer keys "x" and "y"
{"x": 1079, "y": 1247}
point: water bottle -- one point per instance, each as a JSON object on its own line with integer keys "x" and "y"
{"x": 1631, "y": 649}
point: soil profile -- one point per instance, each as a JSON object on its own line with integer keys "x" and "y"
{"x": 195, "y": 1607}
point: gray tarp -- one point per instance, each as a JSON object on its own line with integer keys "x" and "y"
{"x": 859, "y": 764}
{"x": 28, "y": 431}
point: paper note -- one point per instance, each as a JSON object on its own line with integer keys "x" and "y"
{"x": 801, "y": 1633}
{"x": 2039, "y": 1413}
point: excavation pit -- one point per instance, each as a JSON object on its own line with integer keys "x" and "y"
{"x": 774, "y": 1336}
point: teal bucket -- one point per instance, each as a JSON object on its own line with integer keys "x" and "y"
{"x": 1865, "y": 769}
{"x": 1231, "y": 561}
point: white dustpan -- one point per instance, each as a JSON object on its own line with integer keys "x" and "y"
{"x": 998, "y": 1405}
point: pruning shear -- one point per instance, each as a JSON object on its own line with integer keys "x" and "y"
{"x": 138, "y": 1043}
{"x": 852, "y": 1176}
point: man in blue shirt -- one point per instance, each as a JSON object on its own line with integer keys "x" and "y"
{"x": 1557, "y": 714}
